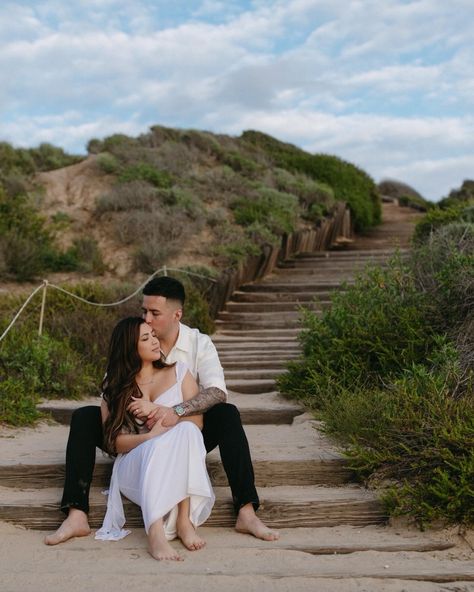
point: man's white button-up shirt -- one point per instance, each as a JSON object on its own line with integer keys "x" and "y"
{"x": 198, "y": 352}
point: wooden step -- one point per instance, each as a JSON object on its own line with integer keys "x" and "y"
{"x": 244, "y": 326}
{"x": 331, "y": 265}
{"x": 351, "y": 253}
{"x": 242, "y": 363}
{"x": 257, "y": 386}
{"x": 280, "y": 507}
{"x": 281, "y": 296}
{"x": 284, "y": 333}
{"x": 277, "y": 284}
{"x": 253, "y": 374}
{"x": 282, "y": 455}
{"x": 251, "y": 414}
{"x": 267, "y": 307}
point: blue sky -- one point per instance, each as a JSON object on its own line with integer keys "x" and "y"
{"x": 385, "y": 84}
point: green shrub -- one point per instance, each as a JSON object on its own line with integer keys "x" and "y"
{"x": 17, "y": 402}
{"x": 27, "y": 246}
{"x": 434, "y": 219}
{"x": 241, "y": 164}
{"x": 350, "y": 184}
{"x": 145, "y": 172}
{"x": 23, "y": 257}
{"x": 418, "y": 203}
{"x": 416, "y": 433}
{"x": 39, "y": 367}
{"x": 232, "y": 246}
{"x": 108, "y": 163}
{"x": 462, "y": 197}
{"x": 444, "y": 268}
{"x": 372, "y": 332}
{"x": 87, "y": 252}
{"x": 184, "y": 200}
{"x": 273, "y": 209}
{"x": 26, "y": 161}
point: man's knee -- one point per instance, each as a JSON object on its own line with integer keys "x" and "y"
{"x": 225, "y": 414}
{"x": 86, "y": 419}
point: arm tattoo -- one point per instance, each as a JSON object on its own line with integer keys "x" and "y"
{"x": 204, "y": 400}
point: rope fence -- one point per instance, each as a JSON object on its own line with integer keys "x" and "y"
{"x": 45, "y": 285}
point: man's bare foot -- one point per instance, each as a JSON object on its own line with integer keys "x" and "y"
{"x": 160, "y": 549}
{"x": 249, "y": 523}
{"x": 189, "y": 537}
{"x": 75, "y": 525}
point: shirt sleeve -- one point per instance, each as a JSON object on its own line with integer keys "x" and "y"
{"x": 209, "y": 369}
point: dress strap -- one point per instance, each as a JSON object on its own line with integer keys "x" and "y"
{"x": 181, "y": 369}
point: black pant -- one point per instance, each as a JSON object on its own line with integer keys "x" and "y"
{"x": 222, "y": 427}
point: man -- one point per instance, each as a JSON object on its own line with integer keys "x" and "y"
{"x": 163, "y": 301}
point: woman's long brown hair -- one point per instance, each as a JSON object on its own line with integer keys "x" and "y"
{"x": 119, "y": 385}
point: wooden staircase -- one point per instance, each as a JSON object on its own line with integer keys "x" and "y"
{"x": 304, "y": 483}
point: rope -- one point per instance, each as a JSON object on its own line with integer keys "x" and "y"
{"x": 20, "y": 311}
{"x": 106, "y": 304}
{"x": 46, "y": 285}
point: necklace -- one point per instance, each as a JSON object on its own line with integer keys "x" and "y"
{"x": 145, "y": 383}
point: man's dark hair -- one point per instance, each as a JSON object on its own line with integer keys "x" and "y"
{"x": 167, "y": 287}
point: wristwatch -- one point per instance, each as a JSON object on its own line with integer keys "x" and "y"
{"x": 179, "y": 410}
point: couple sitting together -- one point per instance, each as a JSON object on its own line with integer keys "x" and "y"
{"x": 164, "y": 405}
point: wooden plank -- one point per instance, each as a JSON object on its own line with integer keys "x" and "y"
{"x": 267, "y": 473}
{"x": 249, "y": 416}
{"x": 276, "y": 514}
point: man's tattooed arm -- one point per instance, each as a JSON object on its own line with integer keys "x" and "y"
{"x": 204, "y": 400}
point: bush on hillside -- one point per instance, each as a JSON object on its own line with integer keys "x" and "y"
{"x": 145, "y": 172}
{"x": 27, "y": 161}
{"x": 462, "y": 197}
{"x": 276, "y": 210}
{"x": 350, "y": 184}
{"x": 406, "y": 195}
{"x": 416, "y": 203}
{"x": 135, "y": 195}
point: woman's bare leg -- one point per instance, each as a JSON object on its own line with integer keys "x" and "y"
{"x": 160, "y": 549}
{"x": 186, "y": 531}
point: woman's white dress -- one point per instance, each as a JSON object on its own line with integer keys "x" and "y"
{"x": 159, "y": 473}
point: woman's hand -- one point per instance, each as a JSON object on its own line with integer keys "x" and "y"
{"x": 141, "y": 408}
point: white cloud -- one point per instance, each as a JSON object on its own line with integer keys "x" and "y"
{"x": 385, "y": 84}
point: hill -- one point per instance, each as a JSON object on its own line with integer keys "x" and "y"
{"x": 175, "y": 197}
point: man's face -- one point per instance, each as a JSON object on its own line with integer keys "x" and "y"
{"x": 162, "y": 315}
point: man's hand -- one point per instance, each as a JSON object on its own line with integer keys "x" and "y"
{"x": 158, "y": 428}
{"x": 166, "y": 415}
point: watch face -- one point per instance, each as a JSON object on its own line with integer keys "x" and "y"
{"x": 179, "y": 409}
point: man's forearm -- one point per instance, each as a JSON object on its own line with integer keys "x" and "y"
{"x": 204, "y": 400}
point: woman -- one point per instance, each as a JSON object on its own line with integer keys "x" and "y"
{"x": 162, "y": 470}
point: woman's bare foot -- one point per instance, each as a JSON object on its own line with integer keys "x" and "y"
{"x": 188, "y": 535}
{"x": 160, "y": 549}
{"x": 249, "y": 523}
{"x": 75, "y": 525}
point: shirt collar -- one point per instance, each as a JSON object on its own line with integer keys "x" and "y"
{"x": 183, "y": 342}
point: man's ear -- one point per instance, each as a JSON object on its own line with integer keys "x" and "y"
{"x": 178, "y": 314}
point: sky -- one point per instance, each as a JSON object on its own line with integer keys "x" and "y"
{"x": 385, "y": 84}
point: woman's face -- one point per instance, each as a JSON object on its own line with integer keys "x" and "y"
{"x": 148, "y": 344}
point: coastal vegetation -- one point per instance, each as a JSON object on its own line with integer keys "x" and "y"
{"x": 171, "y": 192}
{"x": 389, "y": 370}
